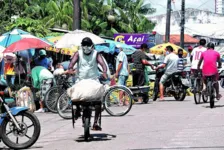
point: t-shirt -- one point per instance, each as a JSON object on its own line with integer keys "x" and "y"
{"x": 180, "y": 65}
{"x": 210, "y": 58}
{"x": 122, "y": 58}
{"x": 39, "y": 74}
{"x": 171, "y": 62}
{"x": 45, "y": 62}
{"x": 196, "y": 55}
{"x": 9, "y": 69}
{"x": 137, "y": 57}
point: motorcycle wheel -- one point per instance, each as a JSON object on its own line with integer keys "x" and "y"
{"x": 155, "y": 90}
{"x": 180, "y": 96}
{"x": 20, "y": 134}
{"x": 145, "y": 98}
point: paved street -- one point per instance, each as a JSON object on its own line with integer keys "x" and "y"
{"x": 157, "y": 125}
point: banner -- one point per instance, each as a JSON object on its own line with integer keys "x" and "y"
{"x": 134, "y": 40}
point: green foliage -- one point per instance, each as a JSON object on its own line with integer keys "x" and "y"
{"x": 37, "y": 16}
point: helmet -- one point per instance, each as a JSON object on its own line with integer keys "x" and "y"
{"x": 87, "y": 42}
{"x": 211, "y": 45}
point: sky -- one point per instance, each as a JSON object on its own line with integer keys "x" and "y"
{"x": 161, "y": 5}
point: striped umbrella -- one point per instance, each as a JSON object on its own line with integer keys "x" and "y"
{"x": 14, "y": 36}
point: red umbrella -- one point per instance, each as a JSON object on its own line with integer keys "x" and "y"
{"x": 26, "y": 43}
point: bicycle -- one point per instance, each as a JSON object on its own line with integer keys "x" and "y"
{"x": 111, "y": 102}
{"x": 198, "y": 87}
{"x": 54, "y": 92}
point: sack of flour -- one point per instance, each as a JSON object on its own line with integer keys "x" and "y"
{"x": 86, "y": 90}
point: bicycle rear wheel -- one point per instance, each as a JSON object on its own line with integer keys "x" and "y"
{"x": 197, "y": 91}
{"x": 51, "y": 98}
{"x": 117, "y": 101}
{"x": 211, "y": 94}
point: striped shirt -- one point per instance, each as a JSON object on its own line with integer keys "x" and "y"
{"x": 181, "y": 63}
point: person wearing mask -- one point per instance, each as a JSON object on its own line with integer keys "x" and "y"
{"x": 42, "y": 80}
{"x": 140, "y": 61}
{"x": 195, "y": 57}
{"x": 209, "y": 68}
{"x": 42, "y": 60}
{"x": 87, "y": 60}
{"x": 170, "y": 63}
{"x": 181, "y": 62}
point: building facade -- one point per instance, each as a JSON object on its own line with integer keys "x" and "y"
{"x": 192, "y": 16}
{"x": 219, "y": 6}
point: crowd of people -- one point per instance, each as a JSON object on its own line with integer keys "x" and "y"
{"x": 85, "y": 65}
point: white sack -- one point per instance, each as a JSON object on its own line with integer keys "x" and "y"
{"x": 87, "y": 89}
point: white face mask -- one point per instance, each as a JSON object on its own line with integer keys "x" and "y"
{"x": 87, "y": 49}
{"x": 167, "y": 53}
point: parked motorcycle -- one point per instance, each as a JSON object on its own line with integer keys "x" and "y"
{"x": 173, "y": 86}
{"x": 19, "y": 129}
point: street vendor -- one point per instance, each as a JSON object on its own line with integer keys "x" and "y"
{"x": 42, "y": 60}
{"x": 42, "y": 80}
{"x": 87, "y": 60}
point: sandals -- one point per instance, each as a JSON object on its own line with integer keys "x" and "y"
{"x": 96, "y": 128}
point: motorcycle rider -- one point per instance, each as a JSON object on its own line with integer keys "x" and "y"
{"x": 87, "y": 60}
{"x": 195, "y": 57}
{"x": 171, "y": 63}
{"x": 210, "y": 58}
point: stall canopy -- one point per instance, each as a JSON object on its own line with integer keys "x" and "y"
{"x": 111, "y": 47}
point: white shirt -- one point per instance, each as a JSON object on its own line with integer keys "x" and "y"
{"x": 171, "y": 62}
{"x": 196, "y": 55}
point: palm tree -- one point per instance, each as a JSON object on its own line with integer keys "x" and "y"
{"x": 60, "y": 14}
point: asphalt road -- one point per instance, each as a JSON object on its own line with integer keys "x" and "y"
{"x": 158, "y": 125}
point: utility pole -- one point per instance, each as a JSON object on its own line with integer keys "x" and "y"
{"x": 168, "y": 15}
{"x": 182, "y": 24}
{"x": 10, "y": 9}
{"x": 76, "y": 15}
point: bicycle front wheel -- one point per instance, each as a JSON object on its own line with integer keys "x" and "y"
{"x": 51, "y": 98}
{"x": 64, "y": 106}
{"x": 117, "y": 101}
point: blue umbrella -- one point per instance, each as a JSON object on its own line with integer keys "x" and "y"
{"x": 128, "y": 50}
{"x": 13, "y": 36}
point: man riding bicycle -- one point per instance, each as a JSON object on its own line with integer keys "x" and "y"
{"x": 195, "y": 57}
{"x": 87, "y": 60}
{"x": 210, "y": 59}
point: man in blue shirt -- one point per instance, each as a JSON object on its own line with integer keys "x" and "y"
{"x": 122, "y": 68}
{"x": 42, "y": 60}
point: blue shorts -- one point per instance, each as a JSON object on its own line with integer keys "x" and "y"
{"x": 122, "y": 80}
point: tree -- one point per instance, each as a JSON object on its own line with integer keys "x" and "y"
{"x": 35, "y": 27}
{"x": 60, "y": 14}
{"x": 105, "y": 18}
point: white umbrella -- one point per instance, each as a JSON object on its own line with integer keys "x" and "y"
{"x": 1, "y": 54}
{"x": 74, "y": 38}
